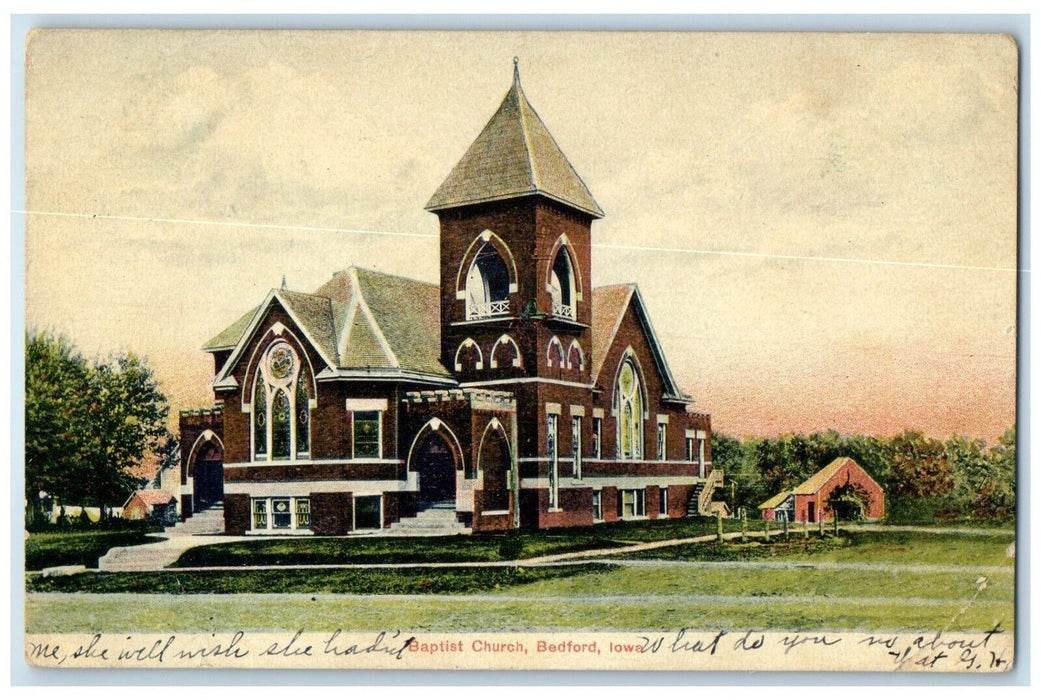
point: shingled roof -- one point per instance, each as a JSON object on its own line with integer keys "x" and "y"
{"x": 359, "y": 320}
{"x": 815, "y": 482}
{"x": 515, "y": 155}
{"x": 609, "y": 306}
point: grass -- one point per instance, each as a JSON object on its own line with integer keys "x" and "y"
{"x": 45, "y": 549}
{"x": 660, "y": 595}
{"x": 358, "y": 581}
{"x": 458, "y": 548}
{"x": 894, "y": 547}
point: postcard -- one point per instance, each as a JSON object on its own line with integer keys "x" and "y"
{"x": 520, "y": 350}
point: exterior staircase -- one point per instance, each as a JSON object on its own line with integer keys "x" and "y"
{"x": 434, "y": 519}
{"x": 701, "y": 496}
{"x": 205, "y": 522}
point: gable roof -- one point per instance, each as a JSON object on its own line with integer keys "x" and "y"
{"x": 610, "y": 304}
{"x": 775, "y": 501}
{"x": 359, "y": 320}
{"x": 514, "y": 155}
{"x": 153, "y": 497}
{"x": 817, "y": 481}
{"x": 227, "y": 338}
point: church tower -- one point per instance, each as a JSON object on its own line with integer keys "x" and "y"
{"x": 516, "y": 283}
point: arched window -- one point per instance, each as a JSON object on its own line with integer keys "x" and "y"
{"x": 629, "y": 404}
{"x": 487, "y": 285}
{"x": 281, "y": 405}
{"x": 562, "y": 285}
{"x": 505, "y": 352}
{"x": 576, "y": 359}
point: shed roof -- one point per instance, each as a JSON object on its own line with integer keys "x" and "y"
{"x": 514, "y": 155}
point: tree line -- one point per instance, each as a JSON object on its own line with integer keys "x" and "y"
{"x": 924, "y": 479}
{"x": 88, "y": 423}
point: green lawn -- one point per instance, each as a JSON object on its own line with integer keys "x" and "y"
{"x": 44, "y": 549}
{"x": 893, "y": 547}
{"x": 422, "y": 550}
{"x": 368, "y": 581}
{"x": 928, "y": 581}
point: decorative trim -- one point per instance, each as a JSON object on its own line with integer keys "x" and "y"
{"x": 598, "y": 413}
{"x": 305, "y": 487}
{"x": 564, "y": 242}
{"x": 470, "y": 342}
{"x": 309, "y": 462}
{"x": 435, "y": 424}
{"x": 505, "y": 339}
{"x": 576, "y": 410}
{"x": 553, "y": 409}
{"x": 563, "y": 357}
{"x": 663, "y": 419}
{"x": 581, "y": 355}
{"x": 485, "y": 236}
{"x": 525, "y": 380}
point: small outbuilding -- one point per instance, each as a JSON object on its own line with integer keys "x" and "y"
{"x": 151, "y": 504}
{"x": 842, "y": 487}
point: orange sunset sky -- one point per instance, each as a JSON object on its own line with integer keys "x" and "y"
{"x": 823, "y": 226}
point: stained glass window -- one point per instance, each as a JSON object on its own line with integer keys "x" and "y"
{"x": 280, "y": 427}
{"x": 281, "y": 422}
{"x": 551, "y": 450}
{"x": 260, "y": 419}
{"x": 303, "y": 416}
{"x": 303, "y": 513}
{"x": 260, "y": 514}
{"x": 281, "y": 515}
{"x": 629, "y": 399}
{"x": 366, "y": 434}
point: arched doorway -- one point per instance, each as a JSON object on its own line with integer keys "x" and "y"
{"x": 434, "y": 460}
{"x": 207, "y": 473}
{"x": 494, "y": 464}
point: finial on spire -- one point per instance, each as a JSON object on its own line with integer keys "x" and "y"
{"x": 284, "y": 287}
{"x": 516, "y": 70}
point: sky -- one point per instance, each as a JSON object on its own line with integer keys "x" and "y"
{"x": 823, "y": 226}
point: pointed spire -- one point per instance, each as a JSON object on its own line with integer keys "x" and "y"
{"x": 284, "y": 287}
{"x": 514, "y": 156}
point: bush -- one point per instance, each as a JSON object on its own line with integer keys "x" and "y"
{"x": 41, "y": 524}
{"x": 511, "y": 547}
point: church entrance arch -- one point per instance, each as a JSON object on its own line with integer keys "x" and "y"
{"x": 434, "y": 458}
{"x": 494, "y": 464}
{"x": 206, "y": 470}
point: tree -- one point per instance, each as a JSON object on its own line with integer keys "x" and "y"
{"x": 86, "y": 423}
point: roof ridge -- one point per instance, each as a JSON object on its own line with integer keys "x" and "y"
{"x": 533, "y": 175}
{"x": 374, "y": 325}
{"x": 386, "y": 274}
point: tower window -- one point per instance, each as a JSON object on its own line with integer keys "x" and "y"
{"x": 562, "y": 285}
{"x": 487, "y": 285}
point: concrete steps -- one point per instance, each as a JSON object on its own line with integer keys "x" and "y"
{"x": 205, "y": 522}
{"x": 435, "y": 519}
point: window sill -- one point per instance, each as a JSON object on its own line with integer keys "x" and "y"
{"x": 494, "y": 512}
{"x": 555, "y": 510}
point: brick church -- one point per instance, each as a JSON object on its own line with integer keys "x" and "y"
{"x": 513, "y": 394}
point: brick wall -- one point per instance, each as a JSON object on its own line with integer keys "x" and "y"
{"x": 236, "y": 513}
{"x": 331, "y": 513}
